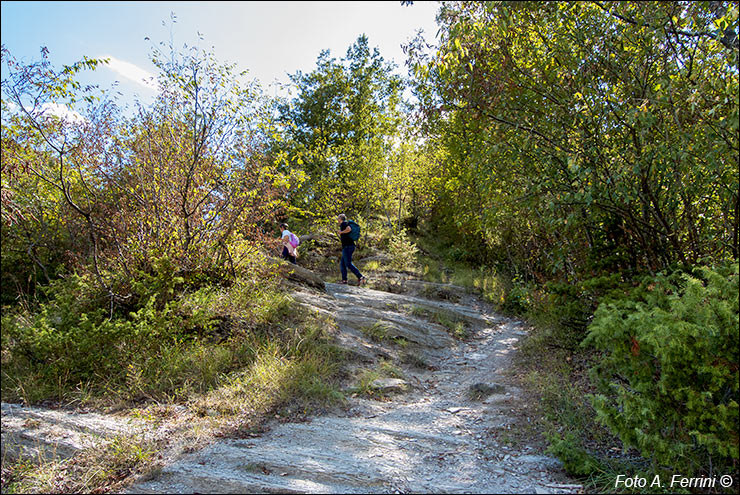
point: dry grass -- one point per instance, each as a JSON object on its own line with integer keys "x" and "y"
{"x": 104, "y": 467}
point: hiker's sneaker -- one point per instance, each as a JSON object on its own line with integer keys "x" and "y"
{"x": 361, "y": 281}
{"x": 343, "y": 282}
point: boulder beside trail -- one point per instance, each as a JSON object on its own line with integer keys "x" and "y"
{"x": 389, "y": 385}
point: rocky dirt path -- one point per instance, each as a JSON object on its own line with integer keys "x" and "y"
{"x": 438, "y": 434}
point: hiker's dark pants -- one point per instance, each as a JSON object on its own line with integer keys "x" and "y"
{"x": 347, "y": 263}
{"x": 286, "y": 255}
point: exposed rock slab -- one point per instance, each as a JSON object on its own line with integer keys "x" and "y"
{"x": 30, "y": 432}
{"x": 431, "y": 438}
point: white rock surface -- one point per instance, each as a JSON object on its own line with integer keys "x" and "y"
{"x": 431, "y": 439}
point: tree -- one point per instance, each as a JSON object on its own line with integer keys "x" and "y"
{"x": 48, "y": 159}
{"x": 340, "y": 129}
{"x": 602, "y": 132}
{"x": 176, "y": 185}
{"x": 192, "y": 170}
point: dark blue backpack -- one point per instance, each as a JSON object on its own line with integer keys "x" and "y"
{"x": 354, "y": 234}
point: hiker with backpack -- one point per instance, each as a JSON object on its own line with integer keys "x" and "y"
{"x": 349, "y": 232}
{"x": 290, "y": 244}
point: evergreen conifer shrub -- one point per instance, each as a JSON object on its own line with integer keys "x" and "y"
{"x": 668, "y": 369}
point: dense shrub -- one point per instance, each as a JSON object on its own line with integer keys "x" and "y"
{"x": 517, "y": 298}
{"x": 668, "y": 369}
{"x": 173, "y": 335}
{"x": 402, "y": 251}
{"x": 576, "y": 460}
{"x": 71, "y": 338}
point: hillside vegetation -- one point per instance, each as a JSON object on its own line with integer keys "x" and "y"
{"x": 576, "y": 163}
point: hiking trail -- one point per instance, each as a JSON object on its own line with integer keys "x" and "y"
{"x": 436, "y": 429}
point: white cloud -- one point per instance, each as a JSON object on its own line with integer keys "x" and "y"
{"x": 131, "y": 72}
{"x": 61, "y": 111}
{"x": 47, "y": 110}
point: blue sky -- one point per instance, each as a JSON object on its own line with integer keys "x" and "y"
{"x": 270, "y": 39}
